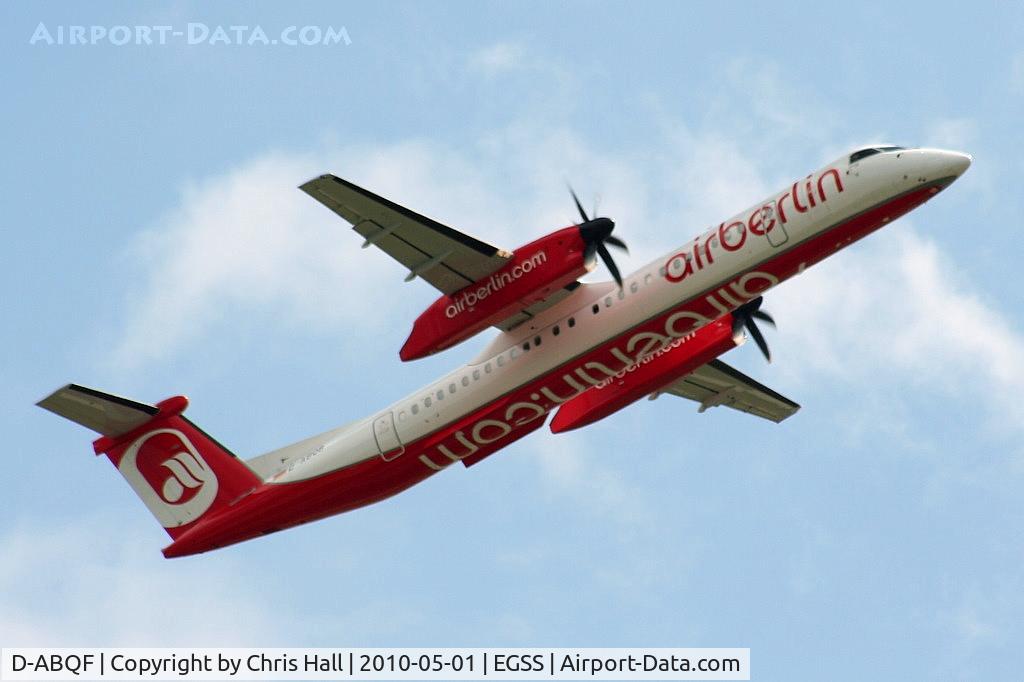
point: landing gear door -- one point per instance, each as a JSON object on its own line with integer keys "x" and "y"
{"x": 386, "y": 435}
{"x": 774, "y": 229}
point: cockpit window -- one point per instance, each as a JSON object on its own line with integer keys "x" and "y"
{"x": 871, "y": 151}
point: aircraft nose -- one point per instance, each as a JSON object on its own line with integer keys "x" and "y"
{"x": 955, "y": 163}
{"x": 951, "y": 163}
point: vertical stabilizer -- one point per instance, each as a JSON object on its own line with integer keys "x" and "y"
{"x": 179, "y": 472}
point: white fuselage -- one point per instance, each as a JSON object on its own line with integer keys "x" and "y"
{"x": 726, "y": 274}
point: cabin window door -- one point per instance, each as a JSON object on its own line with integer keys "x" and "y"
{"x": 386, "y": 435}
{"x": 776, "y": 234}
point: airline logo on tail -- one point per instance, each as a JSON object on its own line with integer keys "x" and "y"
{"x": 170, "y": 476}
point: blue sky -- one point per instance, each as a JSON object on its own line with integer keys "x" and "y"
{"x": 155, "y": 244}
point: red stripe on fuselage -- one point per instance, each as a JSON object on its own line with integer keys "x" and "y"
{"x": 274, "y": 507}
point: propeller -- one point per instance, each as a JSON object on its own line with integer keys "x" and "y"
{"x": 744, "y": 316}
{"x": 596, "y": 233}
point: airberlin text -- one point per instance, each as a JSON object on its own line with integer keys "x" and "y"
{"x": 646, "y": 359}
{"x": 733, "y": 235}
{"x": 473, "y": 294}
{"x": 511, "y": 419}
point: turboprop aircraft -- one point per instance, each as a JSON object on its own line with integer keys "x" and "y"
{"x": 581, "y": 350}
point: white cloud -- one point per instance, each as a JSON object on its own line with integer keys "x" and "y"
{"x": 756, "y": 97}
{"x": 952, "y": 133}
{"x": 977, "y": 618}
{"x": 248, "y": 243}
{"x": 897, "y": 304}
{"x": 549, "y": 79}
{"x": 121, "y": 591}
{"x": 1017, "y": 73}
{"x": 971, "y": 626}
{"x": 718, "y": 178}
{"x": 498, "y": 58}
{"x": 243, "y": 240}
{"x": 568, "y": 470}
{"x": 770, "y": 96}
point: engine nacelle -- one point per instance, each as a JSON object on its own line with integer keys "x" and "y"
{"x": 535, "y": 271}
{"x": 657, "y": 370}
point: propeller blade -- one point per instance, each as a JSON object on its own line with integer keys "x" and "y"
{"x": 607, "y": 258}
{"x": 596, "y": 233}
{"x": 761, "y": 315}
{"x": 616, "y": 242}
{"x": 590, "y": 254}
{"x": 579, "y": 206}
{"x": 743, "y": 318}
{"x": 759, "y": 339}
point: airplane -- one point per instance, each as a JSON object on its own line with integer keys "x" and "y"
{"x": 581, "y": 350}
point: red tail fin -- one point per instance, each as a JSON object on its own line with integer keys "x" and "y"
{"x": 180, "y": 472}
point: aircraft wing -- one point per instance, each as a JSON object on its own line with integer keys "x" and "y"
{"x": 446, "y": 258}
{"x": 716, "y": 383}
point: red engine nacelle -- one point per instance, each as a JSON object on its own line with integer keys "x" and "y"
{"x": 653, "y": 372}
{"x": 535, "y": 271}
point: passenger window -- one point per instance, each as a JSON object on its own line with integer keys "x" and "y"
{"x": 440, "y": 394}
{"x": 465, "y": 381}
{"x": 536, "y": 341}
{"x": 487, "y": 368}
{"x": 501, "y": 360}
{"x": 608, "y": 302}
{"x": 451, "y": 388}
{"x": 476, "y": 375}
{"x": 634, "y": 287}
{"x": 401, "y": 416}
{"x": 426, "y": 401}
{"x": 415, "y": 408}
{"x": 596, "y": 308}
{"x": 572, "y": 322}
{"x": 555, "y": 331}
{"x": 526, "y": 346}
{"x": 647, "y": 278}
{"x": 622, "y": 294}
{"x": 513, "y": 352}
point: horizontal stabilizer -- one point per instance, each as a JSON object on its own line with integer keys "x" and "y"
{"x": 105, "y": 413}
